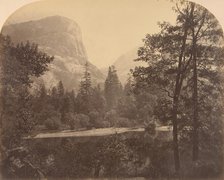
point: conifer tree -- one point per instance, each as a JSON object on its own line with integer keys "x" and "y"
{"x": 112, "y": 88}
{"x": 60, "y": 89}
{"x": 85, "y": 91}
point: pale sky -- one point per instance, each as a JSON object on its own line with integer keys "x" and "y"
{"x": 110, "y": 28}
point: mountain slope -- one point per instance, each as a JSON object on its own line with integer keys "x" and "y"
{"x": 125, "y": 62}
{"x": 60, "y": 37}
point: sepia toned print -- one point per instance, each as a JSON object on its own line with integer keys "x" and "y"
{"x": 102, "y": 89}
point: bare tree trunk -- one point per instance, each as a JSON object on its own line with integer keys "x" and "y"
{"x": 175, "y": 137}
{"x": 97, "y": 170}
{"x": 195, "y": 138}
{"x": 195, "y": 104}
{"x": 177, "y": 90}
{"x": 178, "y": 85}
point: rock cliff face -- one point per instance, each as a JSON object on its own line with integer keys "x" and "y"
{"x": 62, "y": 38}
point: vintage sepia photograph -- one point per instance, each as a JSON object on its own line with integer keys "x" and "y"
{"x": 112, "y": 89}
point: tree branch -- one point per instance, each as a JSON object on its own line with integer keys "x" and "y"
{"x": 202, "y": 23}
{"x": 187, "y": 64}
{"x": 168, "y": 93}
{"x": 178, "y": 9}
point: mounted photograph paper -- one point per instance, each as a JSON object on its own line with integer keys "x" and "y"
{"x": 111, "y": 89}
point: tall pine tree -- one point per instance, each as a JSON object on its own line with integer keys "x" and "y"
{"x": 112, "y": 88}
{"x": 85, "y": 92}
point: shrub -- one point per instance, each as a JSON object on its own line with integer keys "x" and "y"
{"x": 47, "y": 112}
{"x": 151, "y": 128}
{"x": 83, "y": 120}
{"x": 95, "y": 119}
{"x": 106, "y": 124}
{"x": 52, "y": 123}
{"x": 68, "y": 117}
{"x": 111, "y": 116}
{"x": 74, "y": 123}
{"x": 71, "y": 120}
{"x": 123, "y": 122}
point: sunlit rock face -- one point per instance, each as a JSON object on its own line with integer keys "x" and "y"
{"x": 62, "y": 38}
